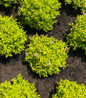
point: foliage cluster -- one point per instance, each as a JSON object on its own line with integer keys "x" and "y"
{"x": 12, "y": 36}
{"x": 69, "y": 89}
{"x": 39, "y": 14}
{"x": 77, "y": 36}
{"x": 45, "y": 55}
{"x": 9, "y": 3}
{"x": 18, "y": 88}
{"x": 77, "y": 3}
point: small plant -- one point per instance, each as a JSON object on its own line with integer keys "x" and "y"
{"x": 77, "y": 3}
{"x": 9, "y": 3}
{"x": 12, "y": 37}
{"x": 18, "y": 88}
{"x": 45, "y": 55}
{"x": 77, "y": 36}
{"x": 67, "y": 89}
{"x": 40, "y": 14}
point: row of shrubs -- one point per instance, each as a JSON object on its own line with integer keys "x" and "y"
{"x": 20, "y": 88}
{"x": 45, "y": 54}
{"x": 41, "y": 14}
{"x": 75, "y": 3}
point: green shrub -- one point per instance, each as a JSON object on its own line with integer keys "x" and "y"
{"x": 67, "y": 89}
{"x": 45, "y": 55}
{"x": 77, "y": 3}
{"x": 12, "y": 38}
{"x": 40, "y": 14}
{"x": 77, "y": 36}
{"x": 9, "y": 3}
{"x": 19, "y": 88}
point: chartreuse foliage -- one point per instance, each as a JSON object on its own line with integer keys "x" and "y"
{"x": 77, "y": 3}
{"x": 40, "y": 14}
{"x": 12, "y": 37}
{"x": 77, "y": 36}
{"x": 70, "y": 89}
{"x": 9, "y": 3}
{"x": 19, "y": 88}
{"x": 45, "y": 55}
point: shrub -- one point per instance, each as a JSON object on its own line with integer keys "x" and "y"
{"x": 18, "y": 88}
{"x": 9, "y": 3}
{"x": 45, "y": 55}
{"x": 77, "y": 36}
{"x": 12, "y": 37}
{"x": 39, "y": 14}
{"x": 77, "y": 3}
{"x": 67, "y": 89}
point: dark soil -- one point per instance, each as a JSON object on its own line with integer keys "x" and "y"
{"x": 76, "y": 71}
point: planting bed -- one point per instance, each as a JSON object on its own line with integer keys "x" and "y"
{"x": 76, "y": 71}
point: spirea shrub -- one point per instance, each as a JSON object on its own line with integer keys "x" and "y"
{"x": 45, "y": 55}
{"x": 77, "y": 36}
{"x": 18, "y": 88}
{"x": 39, "y": 14}
{"x": 9, "y": 3}
{"x": 12, "y": 36}
{"x": 77, "y": 3}
{"x": 69, "y": 89}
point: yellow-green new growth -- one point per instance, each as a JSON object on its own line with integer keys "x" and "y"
{"x": 18, "y": 88}
{"x": 39, "y": 14}
{"x": 69, "y": 89}
{"x": 10, "y": 3}
{"x": 77, "y": 36}
{"x": 77, "y": 3}
{"x": 12, "y": 36}
{"x": 45, "y": 55}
